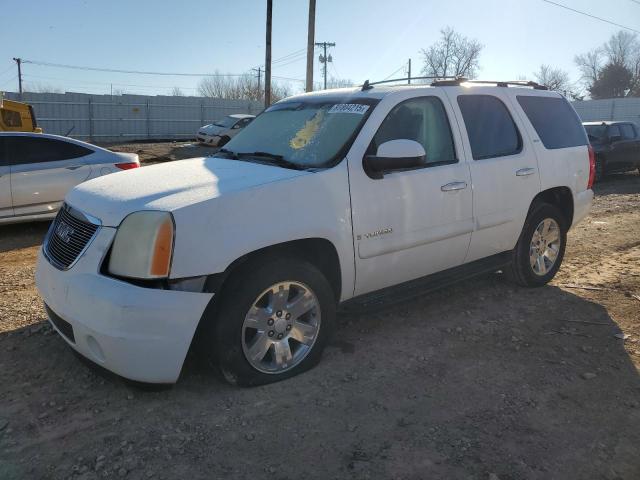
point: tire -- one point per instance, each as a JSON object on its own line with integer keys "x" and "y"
{"x": 233, "y": 335}
{"x": 523, "y": 270}
{"x": 223, "y": 141}
{"x": 600, "y": 169}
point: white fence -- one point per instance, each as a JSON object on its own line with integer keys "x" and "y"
{"x": 119, "y": 118}
{"x": 627, "y": 109}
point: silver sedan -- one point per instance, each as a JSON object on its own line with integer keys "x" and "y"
{"x": 37, "y": 170}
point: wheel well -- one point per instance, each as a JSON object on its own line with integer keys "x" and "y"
{"x": 560, "y": 197}
{"x": 318, "y": 251}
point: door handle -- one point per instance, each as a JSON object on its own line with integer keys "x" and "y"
{"x": 73, "y": 167}
{"x": 453, "y": 186}
{"x": 523, "y": 172}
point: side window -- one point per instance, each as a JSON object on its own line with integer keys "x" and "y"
{"x": 11, "y": 118}
{"x": 555, "y": 122}
{"x": 614, "y": 131}
{"x": 627, "y": 131}
{"x": 421, "y": 119}
{"x": 27, "y": 149}
{"x": 492, "y": 132}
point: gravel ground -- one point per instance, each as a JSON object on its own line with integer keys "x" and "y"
{"x": 480, "y": 381}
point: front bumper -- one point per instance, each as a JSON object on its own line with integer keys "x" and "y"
{"x": 142, "y": 334}
{"x": 208, "y": 139}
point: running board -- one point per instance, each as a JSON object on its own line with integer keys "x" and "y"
{"x": 415, "y": 288}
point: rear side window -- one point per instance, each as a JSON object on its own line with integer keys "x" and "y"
{"x": 11, "y": 118}
{"x": 491, "y": 129}
{"x": 628, "y": 131}
{"x": 555, "y": 122}
{"x": 26, "y": 149}
{"x": 3, "y": 160}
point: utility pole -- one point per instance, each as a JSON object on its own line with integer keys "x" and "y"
{"x": 324, "y": 59}
{"x": 409, "y": 73}
{"x": 19, "y": 62}
{"x": 311, "y": 36}
{"x": 267, "y": 60}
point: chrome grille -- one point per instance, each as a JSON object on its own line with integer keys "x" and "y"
{"x": 69, "y": 236}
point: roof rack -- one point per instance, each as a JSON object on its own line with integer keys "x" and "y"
{"x": 367, "y": 85}
{"x": 460, "y": 80}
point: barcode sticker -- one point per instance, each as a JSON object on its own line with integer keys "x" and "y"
{"x": 356, "y": 108}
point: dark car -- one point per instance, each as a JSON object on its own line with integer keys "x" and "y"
{"x": 616, "y": 145}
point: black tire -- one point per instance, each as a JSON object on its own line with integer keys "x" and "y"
{"x": 223, "y": 141}
{"x": 600, "y": 169}
{"x": 520, "y": 270}
{"x": 222, "y": 338}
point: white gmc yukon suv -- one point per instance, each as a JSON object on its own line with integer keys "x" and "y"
{"x": 368, "y": 192}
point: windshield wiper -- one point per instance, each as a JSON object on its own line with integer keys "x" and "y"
{"x": 274, "y": 159}
{"x": 231, "y": 155}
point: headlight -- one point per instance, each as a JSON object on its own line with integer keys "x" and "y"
{"x": 143, "y": 246}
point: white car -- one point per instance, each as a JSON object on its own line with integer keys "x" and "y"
{"x": 221, "y": 131}
{"x": 37, "y": 170}
{"x": 325, "y": 197}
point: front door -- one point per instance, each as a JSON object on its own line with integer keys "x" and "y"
{"x": 43, "y": 171}
{"x": 6, "y": 208}
{"x": 411, "y": 223}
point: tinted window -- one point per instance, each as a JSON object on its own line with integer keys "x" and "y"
{"x": 23, "y": 149}
{"x": 555, "y": 122}
{"x": 423, "y": 120}
{"x": 614, "y": 131}
{"x": 11, "y": 118}
{"x": 596, "y": 132}
{"x": 491, "y": 130}
{"x": 627, "y": 131}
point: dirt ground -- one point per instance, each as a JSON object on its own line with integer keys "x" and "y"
{"x": 155, "y": 152}
{"x": 480, "y": 381}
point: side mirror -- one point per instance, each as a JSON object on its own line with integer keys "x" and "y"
{"x": 395, "y": 155}
{"x": 236, "y": 126}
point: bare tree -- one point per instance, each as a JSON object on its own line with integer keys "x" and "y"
{"x": 38, "y": 87}
{"x": 243, "y": 87}
{"x": 453, "y": 55}
{"x": 553, "y": 78}
{"x": 614, "y": 68}
{"x": 333, "y": 82}
{"x": 176, "y": 92}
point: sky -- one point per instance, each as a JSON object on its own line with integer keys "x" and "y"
{"x": 373, "y": 38}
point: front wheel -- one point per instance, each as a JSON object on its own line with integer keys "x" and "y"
{"x": 274, "y": 322}
{"x": 540, "y": 249}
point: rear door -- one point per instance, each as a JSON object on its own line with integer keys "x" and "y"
{"x": 6, "y": 207}
{"x": 504, "y": 169}
{"x": 630, "y": 146}
{"x": 43, "y": 170}
{"x": 615, "y": 156}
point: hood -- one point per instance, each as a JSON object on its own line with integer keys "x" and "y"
{"x": 212, "y": 129}
{"x": 170, "y": 186}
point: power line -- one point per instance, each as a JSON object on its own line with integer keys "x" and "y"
{"x": 591, "y": 16}
{"x": 137, "y": 72}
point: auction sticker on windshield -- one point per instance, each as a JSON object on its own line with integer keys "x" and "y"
{"x": 349, "y": 108}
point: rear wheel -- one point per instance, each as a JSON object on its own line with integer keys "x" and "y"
{"x": 273, "y": 323}
{"x": 540, "y": 249}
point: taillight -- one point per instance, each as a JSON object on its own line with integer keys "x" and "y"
{"x": 127, "y": 166}
{"x": 592, "y": 167}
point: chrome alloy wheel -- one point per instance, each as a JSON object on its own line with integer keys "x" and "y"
{"x": 281, "y": 327}
{"x": 545, "y": 246}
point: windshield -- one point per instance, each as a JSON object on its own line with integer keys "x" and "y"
{"x": 305, "y": 133}
{"x": 596, "y": 132}
{"x": 227, "y": 122}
